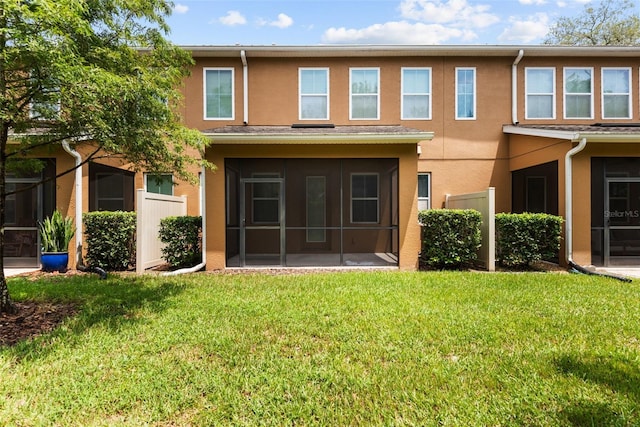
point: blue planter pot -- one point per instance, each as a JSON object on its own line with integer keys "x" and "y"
{"x": 54, "y": 261}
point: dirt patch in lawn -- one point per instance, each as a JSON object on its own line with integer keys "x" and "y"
{"x": 33, "y": 318}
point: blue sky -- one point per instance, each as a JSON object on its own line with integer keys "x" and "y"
{"x": 312, "y": 22}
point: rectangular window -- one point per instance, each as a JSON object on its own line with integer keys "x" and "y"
{"x": 266, "y": 199}
{"x": 159, "y": 183}
{"x": 578, "y": 93}
{"x": 616, "y": 93}
{"x": 218, "y": 94}
{"x": 364, "y": 198}
{"x": 316, "y": 208}
{"x": 465, "y": 93}
{"x": 314, "y": 93}
{"x": 424, "y": 191}
{"x": 540, "y": 101}
{"x": 416, "y": 94}
{"x": 110, "y": 192}
{"x": 364, "y": 95}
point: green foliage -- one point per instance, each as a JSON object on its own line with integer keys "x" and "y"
{"x": 450, "y": 237}
{"x": 522, "y": 239}
{"x": 110, "y": 239}
{"x": 56, "y": 232}
{"x": 182, "y": 236}
{"x": 611, "y": 23}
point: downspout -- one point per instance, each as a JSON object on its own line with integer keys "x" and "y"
{"x": 514, "y": 87}
{"x": 78, "y": 184}
{"x": 568, "y": 198}
{"x": 203, "y": 214}
{"x": 78, "y": 234}
{"x": 245, "y": 87}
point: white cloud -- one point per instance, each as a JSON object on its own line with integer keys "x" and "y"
{"x": 401, "y": 32}
{"x": 526, "y": 31}
{"x": 283, "y": 21}
{"x": 180, "y": 8}
{"x": 454, "y": 12}
{"x": 533, "y": 2}
{"x": 233, "y": 18}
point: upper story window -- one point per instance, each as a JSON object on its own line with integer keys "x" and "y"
{"x": 465, "y": 93}
{"x": 616, "y": 93}
{"x": 314, "y": 93}
{"x": 218, "y": 94}
{"x": 578, "y": 93}
{"x": 540, "y": 101}
{"x": 416, "y": 93}
{"x": 364, "y": 91}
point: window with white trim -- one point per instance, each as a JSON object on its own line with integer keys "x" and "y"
{"x": 218, "y": 94}
{"x": 540, "y": 100}
{"x": 365, "y": 198}
{"x": 159, "y": 183}
{"x": 314, "y": 93}
{"x": 578, "y": 93}
{"x": 416, "y": 94}
{"x": 616, "y": 93}
{"x": 424, "y": 191}
{"x": 364, "y": 94}
{"x": 465, "y": 93}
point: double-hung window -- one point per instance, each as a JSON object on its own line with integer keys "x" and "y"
{"x": 416, "y": 94}
{"x": 616, "y": 93}
{"x": 578, "y": 93}
{"x": 218, "y": 94}
{"x": 465, "y": 93}
{"x": 364, "y": 94}
{"x": 424, "y": 191}
{"x": 364, "y": 198}
{"x": 159, "y": 183}
{"x": 314, "y": 93}
{"x": 540, "y": 101}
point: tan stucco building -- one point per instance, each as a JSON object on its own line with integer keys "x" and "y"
{"x": 325, "y": 154}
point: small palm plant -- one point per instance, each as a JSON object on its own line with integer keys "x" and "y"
{"x": 56, "y": 232}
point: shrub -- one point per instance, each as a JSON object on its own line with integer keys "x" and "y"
{"x": 111, "y": 239}
{"x": 182, "y": 238}
{"x": 522, "y": 239}
{"x": 450, "y": 237}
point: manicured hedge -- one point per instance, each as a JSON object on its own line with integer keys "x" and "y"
{"x": 182, "y": 236}
{"x": 522, "y": 239}
{"x": 450, "y": 237}
{"x": 110, "y": 239}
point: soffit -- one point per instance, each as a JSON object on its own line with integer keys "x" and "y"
{"x": 594, "y": 133}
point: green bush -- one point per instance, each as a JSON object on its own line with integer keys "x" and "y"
{"x": 450, "y": 237}
{"x": 111, "y": 239}
{"x": 182, "y": 236}
{"x": 522, "y": 239}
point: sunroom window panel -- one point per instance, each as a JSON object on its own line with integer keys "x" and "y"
{"x": 219, "y": 94}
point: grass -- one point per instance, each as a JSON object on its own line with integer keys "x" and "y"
{"x": 356, "y": 348}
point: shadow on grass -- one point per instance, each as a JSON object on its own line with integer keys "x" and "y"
{"x": 114, "y": 304}
{"x": 616, "y": 373}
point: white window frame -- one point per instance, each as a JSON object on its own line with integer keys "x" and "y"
{"x": 426, "y": 200}
{"x": 148, "y": 174}
{"x": 527, "y": 93}
{"x": 403, "y": 94}
{"x": 204, "y": 93}
{"x": 352, "y": 95}
{"x": 628, "y": 94}
{"x": 301, "y": 95}
{"x": 474, "y": 93}
{"x": 376, "y": 198}
{"x": 565, "y": 93}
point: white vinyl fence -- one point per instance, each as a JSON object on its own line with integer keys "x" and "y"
{"x": 485, "y": 203}
{"x": 151, "y": 208}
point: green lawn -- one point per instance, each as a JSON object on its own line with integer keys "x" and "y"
{"x": 357, "y": 348}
